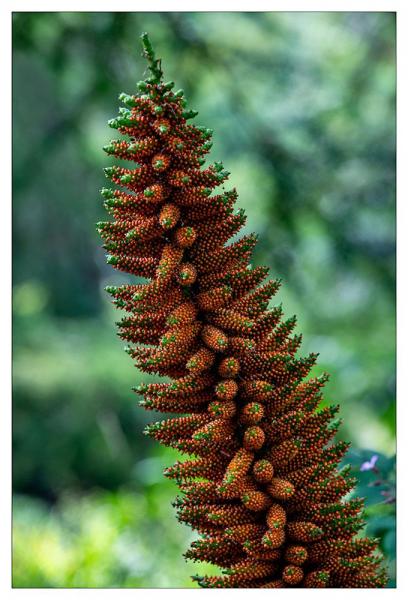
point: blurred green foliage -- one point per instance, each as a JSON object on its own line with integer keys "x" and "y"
{"x": 303, "y": 108}
{"x": 103, "y": 539}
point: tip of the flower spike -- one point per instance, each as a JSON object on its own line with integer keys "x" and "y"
{"x": 197, "y": 578}
{"x": 145, "y": 39}
{"x": 154, "y": 65}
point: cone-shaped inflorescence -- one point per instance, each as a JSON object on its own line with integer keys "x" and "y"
{"x": 262, "y": 484}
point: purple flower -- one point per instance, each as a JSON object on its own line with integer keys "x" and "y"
{"x": 369, "y": 465}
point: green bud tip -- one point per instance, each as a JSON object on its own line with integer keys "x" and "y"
{"x": 107, "y": 193}
{"x": 190, "y": 114}
{"x": 207, "y": 132}
{"x": 142, "y": 86}
{"x": 111, "y": 289}
{"x": 109, "y": 148}
{"x": 127, "y": 99}
{"x": 147, "y": 46}
{"x": 111, "y": 259}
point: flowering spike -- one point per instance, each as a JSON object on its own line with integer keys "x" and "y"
{"x": 262, "y": 486}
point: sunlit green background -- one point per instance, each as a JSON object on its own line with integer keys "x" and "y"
{"x": 303, "y": 109}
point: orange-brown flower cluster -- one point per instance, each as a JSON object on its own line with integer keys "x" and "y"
{"x": 262, "y": 485}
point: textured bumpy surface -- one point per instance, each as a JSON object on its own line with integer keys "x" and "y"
{"x": 262, "y": 484}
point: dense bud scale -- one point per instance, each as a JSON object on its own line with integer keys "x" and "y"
{"x": 262, "y": 485}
